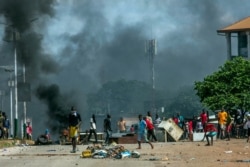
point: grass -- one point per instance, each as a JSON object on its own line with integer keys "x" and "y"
{"x": 6, "y": 143}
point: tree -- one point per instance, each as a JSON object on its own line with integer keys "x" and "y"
{"x": 229, "y": 87}
{"x": 121, "y": 96}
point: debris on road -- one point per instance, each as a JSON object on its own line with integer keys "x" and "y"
{"x": 113, "y": 151}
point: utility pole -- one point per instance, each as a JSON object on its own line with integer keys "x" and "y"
{"x": 15, "y": 38}
{"x": 24, "y": 108}
{"x": 151, "y": 51}
{"x": 11, "y": 84}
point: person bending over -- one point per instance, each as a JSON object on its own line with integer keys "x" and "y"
{"x": 210, "y": 132}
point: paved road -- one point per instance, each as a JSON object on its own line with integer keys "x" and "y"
{"x": 59, "y": 155}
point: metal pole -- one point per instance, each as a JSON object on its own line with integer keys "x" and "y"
{"x": 16, "y": 96}
{"x": 11, "y": 107}
{"x": 24, "y": 103}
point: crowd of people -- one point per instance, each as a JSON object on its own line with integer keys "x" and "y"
{"x": 230, "y": 123}
{"x": 227, "y": 125}
{"x": 145, "y": 128}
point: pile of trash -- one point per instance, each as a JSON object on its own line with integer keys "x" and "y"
{"x": 117, "y": 152}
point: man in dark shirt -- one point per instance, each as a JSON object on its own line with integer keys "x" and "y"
{"x": 107, "y": 128}
{"x": 74, "y": 124}
{"x": 238, "y": 120}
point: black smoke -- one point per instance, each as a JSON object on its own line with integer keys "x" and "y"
{"x": 20, "y": 17}
{"x": 24, "y": 18}
{"x": 58, "y": 106}
{"x": 109, "y": 45}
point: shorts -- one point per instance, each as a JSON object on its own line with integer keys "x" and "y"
{"x": 211, "y": 134}
{"x": 248, "y": 132}
{"x": 229, "y": 128}
{"x": 73, "y": 131}
{"x": 142, "y": 137}
{"x": 222, "y": 126}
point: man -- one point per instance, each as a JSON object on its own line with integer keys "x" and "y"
{"x": 142, "y": 132}
{"x": 248, "y": 127}
{"x": 238, "y": 120}
{"x": 6, "y": 126}
{"x": 229, "y": 125}
{"x": 92, "y": 128}
{"x": 107, "y": 128}
{"x": 157, "y": 120}
{"x": 210, "y": 131}
{"x": 181, "y": 123}
{"x": 150, "y": 130}
{"x": 180, "y": 120}
{"x": 245, "y": 119}
{"x": 74, "y": 124}
{"x": 222, "y": 118}
{"x": 121, "y": 125}
{"x": 204, "y": 118}
{"x": 1, "y": 124}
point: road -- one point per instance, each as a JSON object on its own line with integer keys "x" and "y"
{"x": 59, "y": 155}
{"x": 171, "y": 154}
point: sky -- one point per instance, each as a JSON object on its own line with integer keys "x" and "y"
{"x": 73, "y": 47}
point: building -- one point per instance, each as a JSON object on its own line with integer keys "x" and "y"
{"x": 240, "y": 30}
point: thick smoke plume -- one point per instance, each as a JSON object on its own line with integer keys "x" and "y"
{"x": 58, "y": 109}
{"x": 20, "y": 18}
{"x": 76, "y": 46}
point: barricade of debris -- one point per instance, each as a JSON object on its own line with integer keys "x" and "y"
{"x": 112, "y": 151}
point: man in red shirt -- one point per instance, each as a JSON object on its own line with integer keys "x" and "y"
{"x": 190, "y": 130}
{"x": 175, "y": 119}
{"x": 204, "y": 118}
{"x": 150, "y": 129}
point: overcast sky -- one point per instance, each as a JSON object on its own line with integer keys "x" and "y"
{"x": 79, "y": 45}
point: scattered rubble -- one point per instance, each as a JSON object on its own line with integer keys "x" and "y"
{"x": 113, "y": 151}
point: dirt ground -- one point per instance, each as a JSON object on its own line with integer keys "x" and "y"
{"x": 233, "y": 153}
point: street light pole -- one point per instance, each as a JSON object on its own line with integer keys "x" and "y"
{"x": 11, "y": 84}
{"x": 16, "y": 95}
{"x": 24, "y": 103}
{"x": 24, "y": 107}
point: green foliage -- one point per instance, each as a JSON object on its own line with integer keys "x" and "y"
{"x": 228, "y": 87}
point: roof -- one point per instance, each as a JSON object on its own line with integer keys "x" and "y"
{"x": 241, "y": 25}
